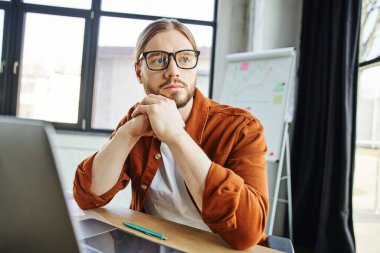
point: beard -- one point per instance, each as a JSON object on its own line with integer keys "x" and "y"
{"x": 179, "y": 98}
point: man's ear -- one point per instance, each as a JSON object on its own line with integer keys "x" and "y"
{"x": 138, "y": 72}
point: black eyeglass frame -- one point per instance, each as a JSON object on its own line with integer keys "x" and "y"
{"x": 174, "y": 54}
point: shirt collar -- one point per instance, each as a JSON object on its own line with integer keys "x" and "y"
{"x": 196, "y": 122}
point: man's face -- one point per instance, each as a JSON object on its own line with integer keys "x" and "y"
{"x": 172, "y": 82}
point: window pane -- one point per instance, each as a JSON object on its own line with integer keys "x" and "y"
{"x": 80, "y": 4}
{"x": 116, "y": 88}
{"x": 370, "y": 35}
{"x": 203, "y": 37}
{"x": 195, "y": 9}
{"x": 51, "y": 68}
{"x": 366, "y": 188}
{"x": 1, "y": 33}
{"x": 368, "y": 107}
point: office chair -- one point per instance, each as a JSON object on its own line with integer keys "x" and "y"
{"x": 280, "y": 243}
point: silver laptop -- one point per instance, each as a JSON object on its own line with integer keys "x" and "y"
{"x": 33, "y": 212}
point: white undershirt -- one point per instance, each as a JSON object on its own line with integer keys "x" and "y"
{"x": 167, "y": 196}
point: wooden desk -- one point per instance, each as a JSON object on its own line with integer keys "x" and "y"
{"x": 179, "y": 236}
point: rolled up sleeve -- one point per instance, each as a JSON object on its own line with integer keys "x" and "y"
{"x": 83, "y": 195}
{"x": 235, "y": 199}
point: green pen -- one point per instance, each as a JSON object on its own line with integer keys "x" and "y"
{"x": 145, "y": 230}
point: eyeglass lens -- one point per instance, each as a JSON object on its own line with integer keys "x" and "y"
{"x": 159, "y": 60}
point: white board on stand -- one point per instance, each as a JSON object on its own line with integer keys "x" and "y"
{"x": 263, "y": 83}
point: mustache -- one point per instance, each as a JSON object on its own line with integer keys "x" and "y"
{"x": 170, "y": 81}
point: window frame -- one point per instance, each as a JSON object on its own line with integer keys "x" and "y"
{"x": 14, "y": 19}
{"x": 369, "y": 63}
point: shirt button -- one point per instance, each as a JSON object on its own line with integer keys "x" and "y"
{"x": 143, "y": 187}
{"x": 157, "y": 156}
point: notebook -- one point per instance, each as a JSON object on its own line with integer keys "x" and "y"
{"x": 33, "y": 213}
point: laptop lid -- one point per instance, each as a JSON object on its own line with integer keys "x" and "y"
{"x": 33, "y": 212}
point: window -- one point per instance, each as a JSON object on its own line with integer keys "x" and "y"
{"x": 1, "y": 34}
{"x": 195, "y": 9}
{"x": 71, "y": 62}
{"x": 81, "y": 4}
{"x": 366, "y": 190}
{"x": 51, "y": 68}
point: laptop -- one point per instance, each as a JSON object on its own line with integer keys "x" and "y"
{"x": 34, "y": 216}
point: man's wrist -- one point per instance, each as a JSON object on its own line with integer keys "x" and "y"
{"x": 125, "y": 134}
{"x": 176, "y": 137}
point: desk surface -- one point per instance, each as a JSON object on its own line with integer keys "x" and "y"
{"x": 179, "y": 236}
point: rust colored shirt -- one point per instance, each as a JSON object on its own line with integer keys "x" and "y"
{"x": 235, "y": 199}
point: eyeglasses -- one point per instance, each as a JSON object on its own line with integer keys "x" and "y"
{"x": 160, "y": 60}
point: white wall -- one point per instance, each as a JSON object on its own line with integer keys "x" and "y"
{"x": 252, "y": 25}
{"x": 231, "y": 36}
{"x": 280, "y": 24}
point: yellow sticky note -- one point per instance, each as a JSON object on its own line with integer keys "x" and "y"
{"x": 277, "y": 100}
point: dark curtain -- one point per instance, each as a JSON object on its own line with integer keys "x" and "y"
{"x": 323, "y": 141}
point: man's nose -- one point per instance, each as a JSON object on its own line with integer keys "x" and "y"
{"x": 172, "y": 70}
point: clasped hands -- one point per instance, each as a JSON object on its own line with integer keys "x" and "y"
{"x": 157, "y": 116}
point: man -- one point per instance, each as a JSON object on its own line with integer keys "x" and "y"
{"x": 190, "y": 159}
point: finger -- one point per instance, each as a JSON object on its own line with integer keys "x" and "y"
{"x": 135, "y": 113}
{"x": 148, "y": 100}
{"x": 140, "y": 109}
{"x": 139, "y": 115}
{"x": 158, "y": 97}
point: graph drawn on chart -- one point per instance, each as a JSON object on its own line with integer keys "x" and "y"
{"x": 263, "y": 77}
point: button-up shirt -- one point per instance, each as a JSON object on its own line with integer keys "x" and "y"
{"x": 235, "y": 199}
